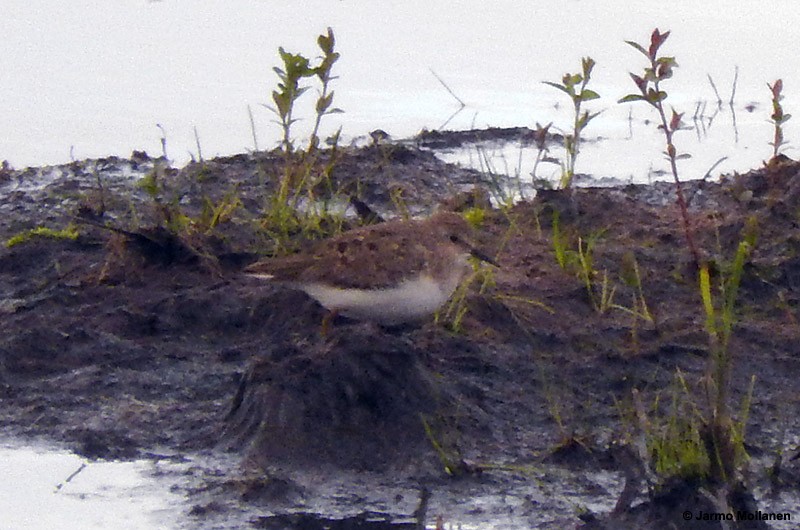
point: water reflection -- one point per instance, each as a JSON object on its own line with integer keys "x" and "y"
{"x": 82, "y": 81}
{"x": 45, "y": 488}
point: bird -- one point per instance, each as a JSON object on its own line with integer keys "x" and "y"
{"x": 391, "y": 273}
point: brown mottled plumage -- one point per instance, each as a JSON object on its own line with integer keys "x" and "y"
{"x": 392, "y": 272}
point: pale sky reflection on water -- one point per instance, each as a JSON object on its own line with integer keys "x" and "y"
{"x": 93, "y": 78}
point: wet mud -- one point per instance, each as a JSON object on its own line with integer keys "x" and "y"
{"x": 131, "y": 342}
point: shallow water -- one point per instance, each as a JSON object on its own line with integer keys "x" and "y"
{"x": 46, "y": 487}
{"x": 90, "y": 79}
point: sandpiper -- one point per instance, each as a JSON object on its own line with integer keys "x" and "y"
{"x": 390, "y": 273}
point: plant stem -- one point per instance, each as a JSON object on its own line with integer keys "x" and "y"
{"x": 672, "y": 155}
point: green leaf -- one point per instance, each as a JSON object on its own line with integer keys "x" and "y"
{"x": 667, "y": 61}
{"x": 281, "y": 102}
{"x": 593, "y": 116}
{"x": 326, "y": 42}
{"x": 571, "y": 80}
{"x": 654, "y": 96}
{"x": 298, "y": 92}
{"x": 631, "y": 97}
{"x": 637, "y": 46}
{"x": 588, "y": 95}
{"x": 708, "y": 305}
{"x": 588, "y": 64}
{"x": 324, "y": 102}
{"x": 665, "y": 66}
{"x": 556, "y": 85}
{"x": 584, "y": 120}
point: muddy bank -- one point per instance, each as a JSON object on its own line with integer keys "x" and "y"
{"x": 125, "y": 347}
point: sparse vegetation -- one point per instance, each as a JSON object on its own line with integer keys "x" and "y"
{"x": 778, "y": 117}
{"x": 295, "y": 206}
{"x": 296, "y": 67}
{"x": 693, "y": 441}
{"x": 540, "y": 141}
{"x": 451, "y": 315}
{"x": 191, "y": 229}
{"x": 649, "y": 85}
{"x": 725, "y": 439}
{"x": 574, "y": 86}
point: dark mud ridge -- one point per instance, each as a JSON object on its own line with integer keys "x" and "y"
{"x": 131, "y": 342}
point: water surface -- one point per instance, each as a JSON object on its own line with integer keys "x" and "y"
{"x": 89, "y": 78}
{"x": 47, "y": 487}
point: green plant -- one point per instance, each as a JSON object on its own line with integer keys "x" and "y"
{"x": 300, "y": 204}
{"x": 69, "y": 233}
{"x": 639, "y": 310}
{"x": 324, "y": 72}
{"x": 724, "y": 442}
{"x": 704, "y": 442}
{"x": 630, "y": 276}
{"x": 498, "y": 185}
{"x": 674, "y": 439}
{"x": 601, "y": 294}
{"x": 563, "y": 258}
{"x": 185, "y": 226}
{"x": 296, "y": 67}
{"x": 677, "y": 437}
{"x": 778, "y": 117}
{"x": 293, "y": 213}
{"x": 574, "y": 85}
{"x": 581, "y": 263}
{"x": 649, "y": 85}
{"x": 540, "y": 141}
{"x": 175, "y": 217}
{"x": 447, "y": 450}
{"x": 453, "y": 312}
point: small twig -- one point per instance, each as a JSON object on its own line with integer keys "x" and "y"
{"x": 714, "y": 165}
{"x": 697, "y": 119}
{"x": 733, "y": 88}
{"x": 731, "y": 105}
{"x": 450, "y": 118}
{"x": 703, "y": 118}
{"x": 714, "y": 86}
{"x": 713, "y": 117}
{"x": 72, "y": 476}
{"x": 253, "y": 128}
{"x": 197, "y": 141}
{"x": 630, "y": 123}
{"x": 163, "y": 141}
{"x": 690, "y": 195}
{"x": 447, "y": 88}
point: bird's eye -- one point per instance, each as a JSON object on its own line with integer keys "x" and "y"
{"x": 454, "y": 238}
